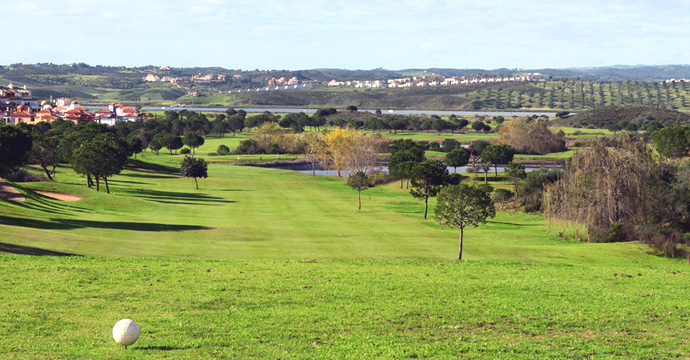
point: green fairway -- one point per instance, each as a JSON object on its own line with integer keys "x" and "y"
{"x": 65, "y": 307}
{"x": 271, "y": 263}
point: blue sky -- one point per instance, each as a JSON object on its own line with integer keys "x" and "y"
{"x": 355, "y": 34}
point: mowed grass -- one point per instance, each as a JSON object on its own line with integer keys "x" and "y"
{"x": 263, "y": 263}
{"x": 65, "y": 307}
{"x": 256, "y": 213}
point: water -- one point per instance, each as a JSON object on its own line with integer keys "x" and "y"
{"x": 306, "y": 168}
{"x": 385, "y": 111}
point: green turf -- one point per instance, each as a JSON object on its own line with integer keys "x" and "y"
{"x": 263, "y": 263}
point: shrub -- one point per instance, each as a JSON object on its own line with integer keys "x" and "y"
{"x": 223, "y": 150}
{"x": 185, "y": 151}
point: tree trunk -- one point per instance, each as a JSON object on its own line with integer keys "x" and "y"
{"x": 359, "y": 197}
{"x": 339, "y": 172}
{"x": 45, "y": 168}
{"x": 89, "y": 182}
{"x": 107, "y": 188}
{"x": 426, "y": 206}
{"x": 53, "y": 170}
{"x": 407, "y": 185}
{"x": 496, "y": 170}
{"x": 515, "y": 184}
{"x": 98, "y": 183}
{"x": 401, "y": 182}
{"x": 460, "y": 251}
{"x": 196, "y": 183}
{"x": 135, "y": 156}
{"x": 486, "y": 177}
{"x": 313, "y": 169}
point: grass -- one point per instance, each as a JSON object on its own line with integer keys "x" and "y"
{"x": 65, "y": 307}
{"x": 270, "y": 263}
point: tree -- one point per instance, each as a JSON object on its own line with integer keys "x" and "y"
{"x": 462, "y": 206}
{"x": 102, "y": 157}
{"x": 457, "y": 157}
{"x": 194, "y": 168}
{"x": 530, "y": 137}
{"x": 449, "y": 144}
{"x": 155, "y": 144}
{"x": 478, "y": 126}
{"x": 672, "y": 141}
{"x": 351, "y": 108}
{"x": 135, "y": 144}
{"x": 515, "y": 172}
{"x": 405, "y": 154}
{"x": 15, "y": 145}
{"x": 497, "y": 154}
{"x": 235, "y": 124}
{"x": 171, "y": 142}
{"x": 193, "y": 141}
{"x": 44, "y": 153}
{"x": 358, "y": 181}
{"x": 428, "y": 178}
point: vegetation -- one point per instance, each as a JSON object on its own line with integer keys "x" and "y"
{"x": 194, "y": 168}
{"x": 461, "y": 206}
{"x": 527, "y": 136}
{"x": 623, "y": 115}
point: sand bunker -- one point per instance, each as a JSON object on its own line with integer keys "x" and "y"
{"x": 8, "y": 192}
{"x": 60, "y": 196}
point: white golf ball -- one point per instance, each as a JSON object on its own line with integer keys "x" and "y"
{"x": 126, "y": 332}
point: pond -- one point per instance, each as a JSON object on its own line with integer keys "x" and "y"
{"x": 306, "y": 168}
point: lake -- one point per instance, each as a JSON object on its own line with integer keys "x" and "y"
{"x": 306, "y": 168}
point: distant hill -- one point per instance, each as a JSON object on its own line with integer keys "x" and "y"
{"x": 641, "y": 115}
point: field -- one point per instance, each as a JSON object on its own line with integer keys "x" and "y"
{"x": 264, "y": 263}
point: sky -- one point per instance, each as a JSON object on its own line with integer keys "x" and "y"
{"x": 348, "y": 34}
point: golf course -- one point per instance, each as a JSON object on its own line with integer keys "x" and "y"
{"x": 267, "y": 263}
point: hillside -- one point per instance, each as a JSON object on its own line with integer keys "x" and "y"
{"x": 640, "y": 115}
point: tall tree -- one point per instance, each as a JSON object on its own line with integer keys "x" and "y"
{"x": 194, "y": 168}
{"x": 15, "y": 145}
{"x": 461, "y": 206}
{"x": 497, "y": 154}
{"x": 457, "y": 157}
{"x": 358, "y": 181}
{"x": 515, "y": 172}
{"x": 193, "y": 141}
{"x": 428, "y": 178}
{"x": 102, "y": 157}
{"x": 44, "y": 152}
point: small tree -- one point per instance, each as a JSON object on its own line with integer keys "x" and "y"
{"x": 358, "y": 181}
{"x": 428, "y": 178}
{"x": 462, "y": 206}
{"x": 223, "y": 150}
{"x": 194, "y": 168}
{"x": 515, "y": 172}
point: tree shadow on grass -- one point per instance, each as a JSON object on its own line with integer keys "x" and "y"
{"x": 158, "y": 195}
{"x": 28, "y": 250}
{"x": 68, "y": 224}
{"x": 513, "y": 224}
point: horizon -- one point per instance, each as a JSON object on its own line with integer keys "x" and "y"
{"x": 313, "y": 34}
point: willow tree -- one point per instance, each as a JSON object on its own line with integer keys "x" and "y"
{"x": 528, "y": 136}
{"x": 608, "y": 186}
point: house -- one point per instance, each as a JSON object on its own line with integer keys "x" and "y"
{"x": 151, "y": 78}
{"x": 293, "y": 81}
{"x": 12, "y": 97}
{"x": 20, "y": 117}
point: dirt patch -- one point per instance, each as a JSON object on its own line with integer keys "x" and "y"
{"x": 60, "y": 196}
{"x": 8, "y": 192}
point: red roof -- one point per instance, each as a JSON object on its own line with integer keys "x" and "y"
{"x": 21, "y": 114}
{"x": 102, "y": 111}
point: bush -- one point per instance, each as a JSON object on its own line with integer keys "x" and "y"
{"x": 272, "y": 148}
{"x": 248, "y": 147}
{"x": 22, "y": 175}
{"x": 434, "y": 146}
{"x": 185, "y": 151}
{"x": 223, "y": 150}
{"x": 379, "y": 178}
